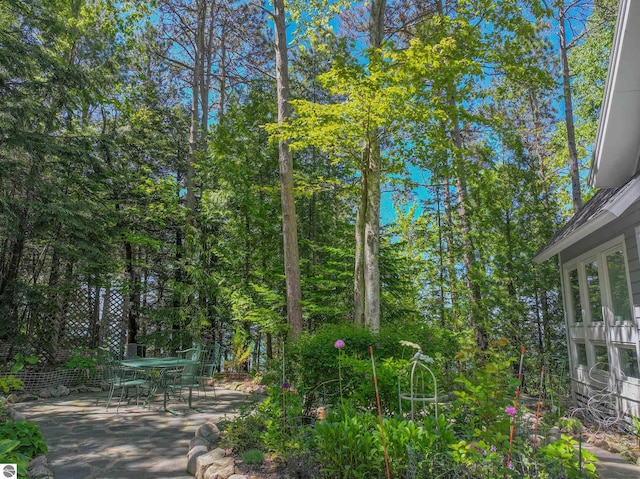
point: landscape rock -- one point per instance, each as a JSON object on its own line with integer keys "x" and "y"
{"x": 215, "y": 459}
{"x": 209, "y": 431}
{"x": 16, "y": 416}
{"x": 55, "y": 392}
{"x": 222, "y": 469}
{"x": 38, "y": 461}
{"x": 192, "y": 456}
{"x": 199, "y": 441}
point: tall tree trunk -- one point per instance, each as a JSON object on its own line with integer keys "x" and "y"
{"x": 468, "y": 252}
{"x": 367, "y": 268}
{"x": 8, "y": 289}
{"x": 359, "y": 285}
{"x": 442, "y": 267}
{"x": 222, "y": 76}
{"x": 451, "y": 263}
{"x": 197, "y": 81}
{"x": 289, "y": 222}
{"x": 574, "y": 169}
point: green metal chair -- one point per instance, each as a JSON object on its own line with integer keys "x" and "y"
{"x": 123, "y": 378}
{"x": 208, "y": 365}
{"x": 187, "y": 377}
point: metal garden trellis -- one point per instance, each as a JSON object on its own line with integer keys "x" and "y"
{"x": 416, "y": 381}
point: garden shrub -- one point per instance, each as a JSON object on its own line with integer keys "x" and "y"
{"x": 82, "y": 359}
{"x": 472, "y": 436}
{"x": 10, "y": 382}
{"x": 276, "y": 425}
{"x": 31, "y": 441}
{"x": 314, "y": 360}
{"x": 9, "y": 455}
{"x": 562, "y": 458}
{"x": 349, "y": 446}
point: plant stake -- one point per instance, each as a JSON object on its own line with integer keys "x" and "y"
{"x": 384, "y": 442}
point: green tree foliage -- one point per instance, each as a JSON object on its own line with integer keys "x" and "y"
{"x": 96, "y": 110}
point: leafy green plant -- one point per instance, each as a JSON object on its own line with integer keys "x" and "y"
{"x": 561, "y": 457}
{"x": 348, "y": 448}
{"x": 11, "y": 382}
{"x": 252, "y": 456}
{"x": 28, "y": 435}
{"x": 9, "y": 455}
{"x": 82, "y": 359}
{"x": 482, "y": 402}
{"x": 636, "y": 424}
{"x": 244, "y": 433}
{"x": 571, "y": 425}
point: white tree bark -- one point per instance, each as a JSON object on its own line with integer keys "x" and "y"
{"x": 367, "y": 267}
{"x": 287, "y": 197}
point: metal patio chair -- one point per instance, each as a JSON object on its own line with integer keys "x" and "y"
{"x": 125, "y": 379}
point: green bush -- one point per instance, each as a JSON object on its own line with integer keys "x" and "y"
{"x": 82, "y": 359}
{"x": 349, "y": 446}
{"x": 561, "y": 458}
{"x": 11, "y": 382}
{"x": 244, "y": 433}
{"x": 10, "y": 455}
{"x": 31, "y": 442}
{"x": 313, "y": 360}
{"x": 277, "y": 425}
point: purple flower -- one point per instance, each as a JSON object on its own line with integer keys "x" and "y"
{"x": 339, "y": 344}
{"x": 286, "y": 386}
{"x": 511, "y": 411}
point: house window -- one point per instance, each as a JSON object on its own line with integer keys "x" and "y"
{"x": 574, "y": 295}
{"x": 601, "y": 357}
{"x": 617, "y": 273}
{"x": 628, "y": 358}
{"x": 596, "y": 287}
{"x": 593, "y": 288}
{"x": 581, "y": 355}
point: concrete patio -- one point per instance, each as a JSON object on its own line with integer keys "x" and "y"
{"x": 86, "y": 442}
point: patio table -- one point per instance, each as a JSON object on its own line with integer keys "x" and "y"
{"x": 162, "y": 365}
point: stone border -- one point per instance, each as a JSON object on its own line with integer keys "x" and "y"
{"x": 205, "y": 460}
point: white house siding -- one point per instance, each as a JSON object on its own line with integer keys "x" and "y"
{"x": 627, "y": 391}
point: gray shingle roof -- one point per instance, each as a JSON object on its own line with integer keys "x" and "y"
{"x": 597, "y": 205}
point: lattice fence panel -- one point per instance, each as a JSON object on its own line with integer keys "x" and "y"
{"x": 78, "y": 321}
{"x": 113, "y": 327}
{"x": 92, "y": 317}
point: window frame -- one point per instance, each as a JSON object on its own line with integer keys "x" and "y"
{"x": 622, "y": 375}
{"x": 599, "y": 255}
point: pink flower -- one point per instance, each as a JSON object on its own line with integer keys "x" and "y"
{"x": 339, "y": 344}
{"x": 511, "y": 411}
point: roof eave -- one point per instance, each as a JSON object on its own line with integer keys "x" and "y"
{"x": 600, "y": 220}
{"x": 617, "y": 144}
{"x": 614, "y": 209}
